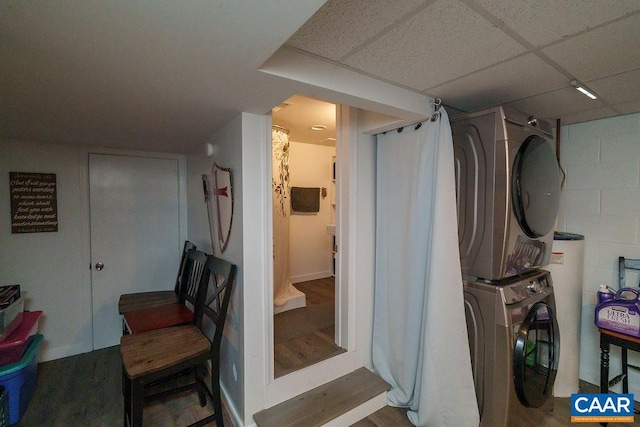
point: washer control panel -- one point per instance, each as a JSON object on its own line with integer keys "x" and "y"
{"x": 521, "y": 290}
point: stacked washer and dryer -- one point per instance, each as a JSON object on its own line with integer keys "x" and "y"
{"x": 508, "y": 191}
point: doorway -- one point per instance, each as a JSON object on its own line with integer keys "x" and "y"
{"x": 305, "y": 336}
{"x": 135, "y": 233}
{"x": 304, "y": 331}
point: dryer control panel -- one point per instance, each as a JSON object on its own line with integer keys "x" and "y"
{"x": 521, "y": 290}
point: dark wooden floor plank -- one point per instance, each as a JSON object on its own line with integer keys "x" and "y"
{"x": 387, "y": 416}
{"x": 318, "y": 291}
{"x": 86, "y": 390}
{"x": 314, "y": 345}
{"x": 560, "y": 416}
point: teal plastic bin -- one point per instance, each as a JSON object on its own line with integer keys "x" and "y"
{"x": 19, "y": 380}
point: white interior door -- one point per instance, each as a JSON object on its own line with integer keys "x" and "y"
{"x": 135, "y": 233}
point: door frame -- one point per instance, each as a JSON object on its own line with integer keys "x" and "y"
{"x": 83, "y": 159}
{"x": 287, "y": 386}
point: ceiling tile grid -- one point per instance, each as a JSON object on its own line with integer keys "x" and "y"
{"x": 444, "y": 41}
{"x": 476, "y": 54}
{"x": 628, "y": 107}
{"x": 621, "y": 88}
{"x": 607, "y": 50}
{"x": 543, "y": 22}
{"x": 339, "y": 27}
{"x": 556, "y": 103}
{"x": 587, "y": 115}
{"x": 524, "y": 76}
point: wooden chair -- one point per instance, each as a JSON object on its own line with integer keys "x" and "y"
{"x": 623, "y": 265}
{"x": 154, "y": 356}
{"x": 176, "y": 313}
{"x": 140, "y": 300}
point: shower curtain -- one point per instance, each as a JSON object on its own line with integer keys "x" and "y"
{"x": 285, "y": 295}
{"x": 420, "y": 343}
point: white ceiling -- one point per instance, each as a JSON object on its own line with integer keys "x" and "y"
{"x": 152, "y": 75}
{"x": 299, "y": 113}
{"x": 165, "y": 75}
{"x": 481, "y": 53}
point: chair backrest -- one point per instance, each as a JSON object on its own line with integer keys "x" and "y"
{"x": 195, "y": 277}
{"x": 187, "y": 247}
{"x": 623, "y": 265}
{"x": 212, "y": 311}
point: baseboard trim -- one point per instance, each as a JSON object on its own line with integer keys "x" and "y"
{"x": 312, "y": 276}
{"x": 231, "y": 408}
{"x": 48, "y": 354}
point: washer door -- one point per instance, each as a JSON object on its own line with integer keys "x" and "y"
{"x": 536, "y": 187}
{"x": 536, "y": 355}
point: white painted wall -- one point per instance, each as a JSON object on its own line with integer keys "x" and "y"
{"x": 53, "y": 268}
{"x": 310, "y": 247}
{"x": 601, "y": 200}
{"x": 229, "y": 155}
{"x": 49, "y": 266}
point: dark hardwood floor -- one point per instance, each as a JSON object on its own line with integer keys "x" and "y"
{"x": 305, "y": 336}
{"x": 560, "y": 416}
{"x": 86, "y": 390}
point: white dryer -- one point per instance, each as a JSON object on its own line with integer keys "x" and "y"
{"x": 508, "y": 192}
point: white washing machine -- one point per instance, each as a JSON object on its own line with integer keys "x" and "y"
{"x": 508, "y": 192}
{"x": 515, "y": 347}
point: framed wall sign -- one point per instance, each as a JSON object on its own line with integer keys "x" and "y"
{"x": 34, "y": 202}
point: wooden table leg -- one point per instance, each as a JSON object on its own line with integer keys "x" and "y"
{"x": 604, "y": 364}
{"x": 625, "y": 371}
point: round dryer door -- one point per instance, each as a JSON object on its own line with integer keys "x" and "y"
{"x": 536, "y": 187}
{"x": 535, "y": 356}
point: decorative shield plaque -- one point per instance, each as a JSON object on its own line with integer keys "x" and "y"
{"x": 224, "y": 203}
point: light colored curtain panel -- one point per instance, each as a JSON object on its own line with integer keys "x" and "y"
{"x": 285, "y": 295}
{"x": 420, "y": 343}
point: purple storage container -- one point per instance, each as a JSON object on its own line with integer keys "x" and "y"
{"x": 620, "y": 313}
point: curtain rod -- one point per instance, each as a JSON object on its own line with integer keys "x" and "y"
{"x": 436, "y": 104}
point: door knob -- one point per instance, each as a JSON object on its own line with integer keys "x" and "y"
{"x": 99, "y": 266}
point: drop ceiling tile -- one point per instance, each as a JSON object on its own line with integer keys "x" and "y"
{"x": 444, "y": 41}
{"x": 604, "y": 51}
{"x": 544, "y": 22}
{"x": 556, "y": 103}
{"x": 342, "y": 25}
{"x": 587, "y": 115}
{"x": 516, "y": 78}
{"x": 628, "y": 107}
{"x": 619, "y": 88}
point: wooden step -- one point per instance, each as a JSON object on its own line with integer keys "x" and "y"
{"x": 328, "y": 402}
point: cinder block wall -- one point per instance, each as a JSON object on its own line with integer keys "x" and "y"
{"x": 601, "y": 200}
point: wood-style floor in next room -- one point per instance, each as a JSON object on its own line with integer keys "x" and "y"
{"x": 305, "y": 336}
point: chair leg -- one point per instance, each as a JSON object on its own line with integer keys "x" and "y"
{"x": 137, "y": 402}
{"x": 126, "y": 390}
{"x": 217, "y": 398}
{"x": 625, "y": 371}
{"x": 200, "y": 374}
